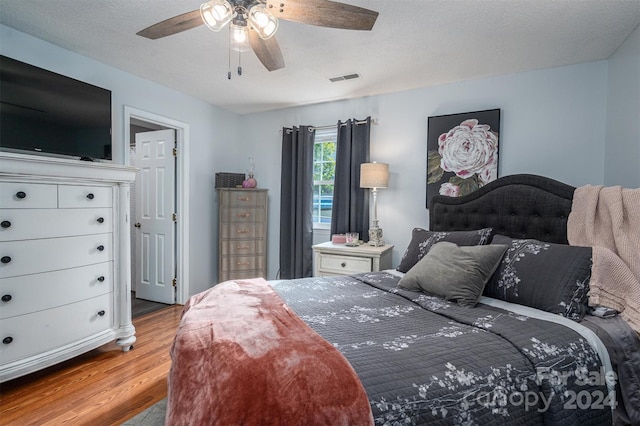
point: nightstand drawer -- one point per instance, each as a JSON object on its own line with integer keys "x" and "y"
{"x": 344, "y": 264}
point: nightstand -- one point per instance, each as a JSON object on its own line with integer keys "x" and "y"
{"x": 338, "y": 259}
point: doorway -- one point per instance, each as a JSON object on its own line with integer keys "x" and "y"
{"x": 137, "y": 121}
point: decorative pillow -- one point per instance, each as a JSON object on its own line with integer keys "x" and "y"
{"x": 456, "y": 273}
{"x": 422, "y": 241}
{"x": 551, "y": 277}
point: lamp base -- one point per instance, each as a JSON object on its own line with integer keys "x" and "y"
{"x": 375, "y": 235}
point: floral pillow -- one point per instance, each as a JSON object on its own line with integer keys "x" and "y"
{"x": 422, "y": 241}
{"x": 551, "y": 277}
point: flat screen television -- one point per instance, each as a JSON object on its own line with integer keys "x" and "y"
{"x": 45, "y": 113}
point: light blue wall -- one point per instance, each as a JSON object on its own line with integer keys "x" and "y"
{"x": 622, "y": 150}
{"x": 553, "y": 124}
{"x": 210, "y": 147}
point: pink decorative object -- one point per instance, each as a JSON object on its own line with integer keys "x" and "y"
{"x": 250, "y": 182}
{"x": 338, "y": 238}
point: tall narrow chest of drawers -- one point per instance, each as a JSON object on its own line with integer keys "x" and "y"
{"x": 242, "y": 251}
{"x": 65, "y": 260}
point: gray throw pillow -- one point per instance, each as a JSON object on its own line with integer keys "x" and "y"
{"x": 455, "y": 273}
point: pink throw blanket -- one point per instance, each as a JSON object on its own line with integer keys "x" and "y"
{"x": 240, "y": 356}
{"x": 608, "y": 219}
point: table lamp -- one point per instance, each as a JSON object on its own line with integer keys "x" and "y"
{"x": 374, "y": 175}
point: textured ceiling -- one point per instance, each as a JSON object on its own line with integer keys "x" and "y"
{"x": 414, "y": 43}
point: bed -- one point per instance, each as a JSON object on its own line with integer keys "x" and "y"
{"x": 485, "y": 321}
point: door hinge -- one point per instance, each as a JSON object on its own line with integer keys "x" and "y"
{"x": 175, "y": 152}
{"x": 175, "y": 282}
{"x": 174, "y": 217}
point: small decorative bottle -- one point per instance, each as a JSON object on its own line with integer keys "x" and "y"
{"x": 250, "y": 182}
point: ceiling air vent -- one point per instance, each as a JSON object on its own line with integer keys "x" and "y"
{"x": 345, "y": 77}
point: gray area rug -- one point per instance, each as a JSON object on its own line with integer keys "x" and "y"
{"x": 152, "y": 416}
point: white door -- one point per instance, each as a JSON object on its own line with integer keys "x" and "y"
{"x": 155, "y": 207}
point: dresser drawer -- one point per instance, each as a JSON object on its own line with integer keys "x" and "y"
{"x": 241, "y": 247}
{"x": 242, "y": 230}
{"x": 344, "y": 264}
{"x": 241, "y": 275}
{"x": 247, "y": 215}
{"x": 241, "y": 263}
{"x": 35, "y": 256}
{"x": 37, "y": 292}
{"x": 45, "y": 330}
{"x": 14, "y": 195}
{"x": 49, "y": 223}
{"x": 244, "y": 198}
{"x": 80, "y": 196}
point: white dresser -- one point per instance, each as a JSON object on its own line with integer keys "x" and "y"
{"x": 64, "y": 260}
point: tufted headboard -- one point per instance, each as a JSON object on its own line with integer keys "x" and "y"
{"x": 518, "y": 206}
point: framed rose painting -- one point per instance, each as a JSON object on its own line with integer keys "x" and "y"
{"x": 462, "y": 152}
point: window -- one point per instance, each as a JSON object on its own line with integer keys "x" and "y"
{"x": 324, "y": 168}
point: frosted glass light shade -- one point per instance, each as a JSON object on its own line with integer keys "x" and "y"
{"x": 262, "y": 21}
{"x": 216, "y": 14}
{"x": 239, "y": 38}
{"x": 374, "y": 175}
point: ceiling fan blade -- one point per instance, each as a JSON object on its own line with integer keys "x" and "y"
{"x": 268, "y": 51}
{"x": 324, "y": 13}
{"x": 174, "y": 25}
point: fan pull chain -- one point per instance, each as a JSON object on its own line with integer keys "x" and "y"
{"x": 229, "y": 55}
{"x": 239, "y": 62}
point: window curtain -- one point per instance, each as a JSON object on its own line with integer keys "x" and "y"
{"x": 350, "y": 202}
{"x": 296, "y": 203}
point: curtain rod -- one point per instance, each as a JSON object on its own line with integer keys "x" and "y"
{"x": 332, "y": 126}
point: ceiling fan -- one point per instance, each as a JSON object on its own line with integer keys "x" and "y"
{"x": 256, "y": 21}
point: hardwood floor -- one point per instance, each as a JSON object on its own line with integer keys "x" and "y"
{"x": 102, "y": 387}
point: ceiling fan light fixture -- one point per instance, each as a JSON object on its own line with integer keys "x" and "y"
{"x": 216, "y": 14}
{"x": 264, "y": 23}
{"x": 239, "y": 38}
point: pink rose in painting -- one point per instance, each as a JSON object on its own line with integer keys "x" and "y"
{"x": 449, "y": 189}
{"x": 469, "y": 148}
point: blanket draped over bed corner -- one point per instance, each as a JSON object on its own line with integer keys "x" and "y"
{"x": 608, "y": 219}
{"x": 240, "y": 356}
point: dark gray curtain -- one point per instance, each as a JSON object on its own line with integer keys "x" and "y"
{"x": 350, "y": 202}
{"x": 296, "y": 203}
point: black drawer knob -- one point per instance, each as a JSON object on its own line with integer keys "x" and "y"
{"x": 101, "y": 220}
{"x": 101, "y": 313}
{"x": 7, "y": 340}
{"x": 6, "y": 298}
{"x": 90, "y": 196}
{"x": 20, "y": 195}
{"x": 101, "y": 278}
{"x": 343, "y": 264}
{"x": 5, "y": 259}
{"x": 5, "y": 224}
{"x": 100, "y": 248}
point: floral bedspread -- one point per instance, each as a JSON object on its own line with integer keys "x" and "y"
{"x": 423, "y": 360}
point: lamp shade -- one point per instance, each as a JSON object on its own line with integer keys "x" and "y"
{"x": 374, "y": 175}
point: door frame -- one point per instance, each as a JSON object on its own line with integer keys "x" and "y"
{"x": 182, "y": 188}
